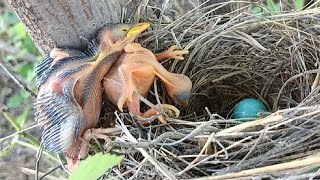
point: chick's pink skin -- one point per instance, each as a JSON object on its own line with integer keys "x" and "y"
{"x": 135, "y": 71}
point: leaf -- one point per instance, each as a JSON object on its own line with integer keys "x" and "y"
{"x": 10, "y": 57}
{"x": 14, "y": 101}
{"x": 25, "y": 70}
{"x": 10, "y": 17}
{"x": 272, "y": 7}
{"x": 7, "y": 19}
{"x": 17, "y": 32}
{"x": 29, "y": 46}
{"x": 256, "y": 10}
{"x": 24, "y": 94}
{"x": 298, "y": 4}
{"x": 95, "y": 166}
{"x": 22, "y": 117}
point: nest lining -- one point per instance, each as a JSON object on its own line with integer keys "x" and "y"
{"x": 272, "y": 58}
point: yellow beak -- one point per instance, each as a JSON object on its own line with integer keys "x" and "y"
{"x": 137, "y": 29}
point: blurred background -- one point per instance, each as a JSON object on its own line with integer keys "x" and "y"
{"x": 19, "y": 55}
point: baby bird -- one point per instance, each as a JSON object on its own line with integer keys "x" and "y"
{"x": 135, "y": 71}
{"x": 70, "y": 90}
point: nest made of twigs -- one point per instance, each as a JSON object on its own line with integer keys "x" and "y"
{"x": 273, "y": 58}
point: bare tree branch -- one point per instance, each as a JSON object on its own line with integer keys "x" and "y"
{"x": 16, "y": 80}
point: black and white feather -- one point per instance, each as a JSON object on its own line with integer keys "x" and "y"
{"x": 60, "y": 116}
{"x": 56, "y": 107}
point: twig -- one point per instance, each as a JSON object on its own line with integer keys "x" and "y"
{"x": 275, "y": 117}
{"x": 144, "y": 152}
{"x": 316, "y": 81}
{"x": 155, "y": 89}
{"x": 17, "y": 127}
{"x": 39, "y": 153}
{"x": 33, "y": 172}
{"x": 36, "y": 148}
{"x": 276, "y": 102}
{"x": 118, "y": 173}
{"x": 309, "y": 161}
{"x": 182, "y": 160}
{"x": 18, "y": 132}
{"x": 49, "y": 172}
{"x": 190, "y": 135}
{"x": 143, "y": 119}
{"x": 62, "y": 165}
{"x": 139, "y": 168}
{"x": 201, "y": 152}
{"x": 303, "y": 176}
{"x": 214, "y": 155}
{"x": 15, "y": 79}
{"x": 254, "y": 146}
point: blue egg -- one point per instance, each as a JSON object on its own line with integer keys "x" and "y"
{"x": 248, "y": 108}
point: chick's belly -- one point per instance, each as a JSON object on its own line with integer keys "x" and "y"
{"x": 143, "y": 81}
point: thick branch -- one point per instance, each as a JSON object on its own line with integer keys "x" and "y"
{"x": 65, "y": 23}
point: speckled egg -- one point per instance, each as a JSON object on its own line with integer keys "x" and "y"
{"x": 248, "y": 108}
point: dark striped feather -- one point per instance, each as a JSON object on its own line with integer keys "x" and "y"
{"x": 43, "y": 66}
{"x": 61, "y": 118}
{"x": 71, "y": 71}
{"x": 55, "y": 66}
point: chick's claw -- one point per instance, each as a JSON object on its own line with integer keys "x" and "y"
{"x": 95, "y": 133}
{"x": 171, "y": 109}
{"x": 152, "y": 114}
{"x": 99, "y": 133}
{"x": 172, "y": 53}
{"x": 89, "y": 134}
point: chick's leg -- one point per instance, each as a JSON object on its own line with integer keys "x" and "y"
{"x": 126, "y": 77}
{"x": 125, "y": 73}
{"x": 178, "y": 86}
{"x": 84, "y": 144}
{"x": 134, "y": 108}
{"x": 166, "y": 107}
{"x": 172, "y": 53}
{"x": 95, "y": 133}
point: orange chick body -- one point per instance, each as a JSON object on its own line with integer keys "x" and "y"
{"x": 135, "y": 71}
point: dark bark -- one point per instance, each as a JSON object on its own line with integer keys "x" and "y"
{"x": 65, "y": 23}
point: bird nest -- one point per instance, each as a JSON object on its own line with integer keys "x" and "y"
{"x": 274, "y": 58}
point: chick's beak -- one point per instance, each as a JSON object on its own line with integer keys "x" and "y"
{"x": 137, "y": 29}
